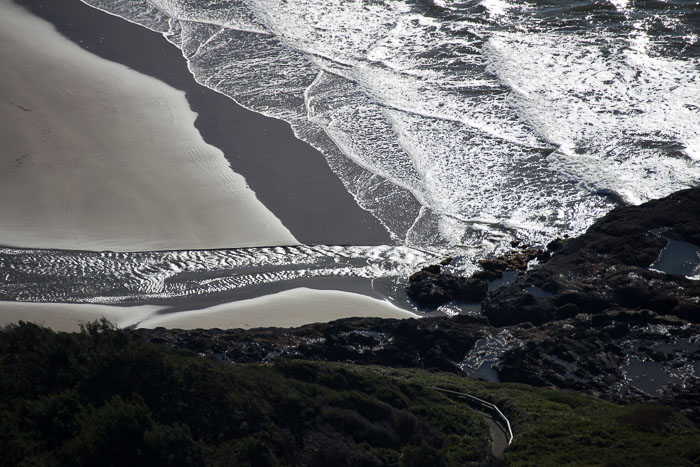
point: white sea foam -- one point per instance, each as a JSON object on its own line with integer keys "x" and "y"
{"x": 613, "y": 109}
{"x": 496, "y": 122}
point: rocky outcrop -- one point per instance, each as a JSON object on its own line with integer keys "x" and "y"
{"x": 430, "y": 288}
{"x": 608, "y": 267}
{"x": 591, "y": 353}
{"x": 494, "y": 268}
{"x": 434, "y": 343}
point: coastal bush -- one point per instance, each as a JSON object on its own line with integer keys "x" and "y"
{"x": 105, "y": 396}
{"x": 553, "y": 427}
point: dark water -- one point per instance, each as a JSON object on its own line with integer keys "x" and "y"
{"x": 680, "y": 258}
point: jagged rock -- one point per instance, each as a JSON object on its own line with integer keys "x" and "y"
{"x": 517, "y": 261}
{"x": 518, "y": 306}
{"x": 430, "y": 288}
{"x": 608, "y": 267}
{"x": 437, "y": 343}
{"x": 639, "y": 317}
{"x": 556, "y": 244}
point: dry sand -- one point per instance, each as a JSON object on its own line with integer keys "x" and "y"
{"x": 290, "y": 308}
{"x": 290, "y": 177}
{"x": 97, "y": 156}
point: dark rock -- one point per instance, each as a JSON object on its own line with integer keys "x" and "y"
{"x": 495, "y": 264}
{"x": 544, "y": 256}
{"x": 471, "y": 290}
{"x": 556, "y": 244}
{"x": 435, "y": 343}
{"x": 494, "y": 268}
{"x": 509, "y": 305}
{"x": 471, "y": 319}
{"x": 585, "y": 302}
{"x": 429, "y": 288}
{"x": 660, "y": 356}
{"x": 633, "y": 295}
{"x": 432, "y": 269}
{"x": 568, "y": 310}
{"x": 608, "y": 268}
{"x": 688, "y": 311}
{"x": 612, "y": 348}
{"x": 426, "y": 292}
{"x": 488, "y": 275}
{"x": 617, "y": 331}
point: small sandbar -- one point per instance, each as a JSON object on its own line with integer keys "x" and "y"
{"x": 290, "y": 308}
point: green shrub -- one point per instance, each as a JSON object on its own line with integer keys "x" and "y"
{"x": 104, "y": 396}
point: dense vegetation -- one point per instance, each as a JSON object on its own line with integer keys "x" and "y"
{"x": 555, "y": 427}
{"x": 107, "y": 397}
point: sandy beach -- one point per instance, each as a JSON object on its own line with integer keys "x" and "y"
{"x": 290, "y": 177}
{"x": 98, "y": 156}
{"x": 290, "y": 308}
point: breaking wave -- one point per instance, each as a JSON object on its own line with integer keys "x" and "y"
{"x": 463, "y": 123}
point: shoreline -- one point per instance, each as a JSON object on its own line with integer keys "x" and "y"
{"x": 291, "y": 178}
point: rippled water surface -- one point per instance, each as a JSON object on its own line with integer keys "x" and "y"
{"x": 168, "y": 276}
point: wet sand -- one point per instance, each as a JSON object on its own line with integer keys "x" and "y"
{"x": 97, "y": 156}
{"x": 289, "y": 177}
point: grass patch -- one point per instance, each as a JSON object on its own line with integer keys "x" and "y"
{"x": 555, "y": 427}
{"x": 652, "y": 418}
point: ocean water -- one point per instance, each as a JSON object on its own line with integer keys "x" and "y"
{"x": 460, "y": 125}
{"x": 463, "y": 124}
